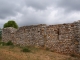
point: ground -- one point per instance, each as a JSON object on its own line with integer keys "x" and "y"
{"x": 15, "y": 53}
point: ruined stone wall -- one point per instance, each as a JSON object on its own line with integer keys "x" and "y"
{"x": 62, "y": 38}
{"x": 27, "y": 35}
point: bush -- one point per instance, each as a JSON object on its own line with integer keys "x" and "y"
{"x": 25, "y": 50}
{"x": 9, "y": 43}
{"x": 11, "y": 23}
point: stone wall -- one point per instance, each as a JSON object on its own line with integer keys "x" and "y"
{"x": 62, "y": 38}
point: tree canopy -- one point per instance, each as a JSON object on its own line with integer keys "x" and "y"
{"x": 11, "y": 23}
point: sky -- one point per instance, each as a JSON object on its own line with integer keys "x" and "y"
{"x": 33, "y": 12}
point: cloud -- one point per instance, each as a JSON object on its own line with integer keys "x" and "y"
{"x": 32, "y": 12}
{"x": 33, "y": 17}
{"x": 48, "y": 16}
{"x": 39, "y": 4}
{"x": 69, "y": 5}
{"x": 8, "y": 8}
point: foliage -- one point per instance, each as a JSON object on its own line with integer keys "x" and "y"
{"x": 9, "y": 43}
{"x": 25, "y": 49}
{"x": 11, "y": 23}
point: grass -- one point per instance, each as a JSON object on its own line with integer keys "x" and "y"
{"x": 15, "y": 53}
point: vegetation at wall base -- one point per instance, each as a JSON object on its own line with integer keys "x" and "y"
{"x": 9, "y": 43}
{"x": 25, "y": 50}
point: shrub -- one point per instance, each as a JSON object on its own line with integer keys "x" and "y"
{"x": 25, "y": 50}
{"x": 9, "y": 43}
{"x": 11, "y": 23}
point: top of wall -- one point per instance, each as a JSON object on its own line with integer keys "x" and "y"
{"x": 11, "y": 29}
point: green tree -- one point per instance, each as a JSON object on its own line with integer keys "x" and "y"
{"x": 11, "y": 23}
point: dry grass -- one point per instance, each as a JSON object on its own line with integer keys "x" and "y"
{"x": 10, "y": 53}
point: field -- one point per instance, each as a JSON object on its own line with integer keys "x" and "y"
{"x": 15, "y": 53}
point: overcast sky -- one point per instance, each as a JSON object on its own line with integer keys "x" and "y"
{"x": 32, "y": 12}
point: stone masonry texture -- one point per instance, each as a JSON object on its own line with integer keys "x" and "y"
{"x": 62, "y": 38}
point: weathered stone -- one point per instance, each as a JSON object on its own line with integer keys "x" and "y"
{"x": 62, "y": 38}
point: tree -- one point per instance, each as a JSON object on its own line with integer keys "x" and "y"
{"x": 11, "y": 23}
